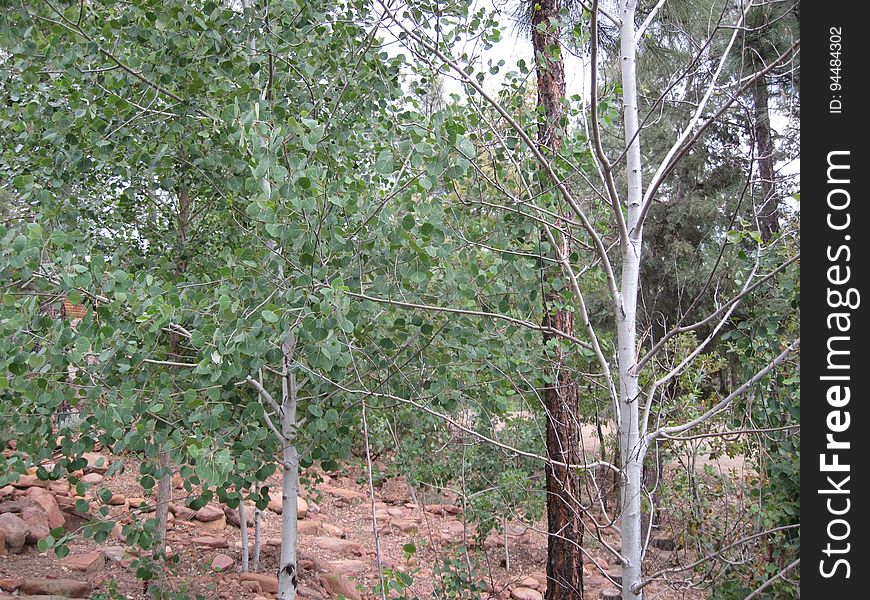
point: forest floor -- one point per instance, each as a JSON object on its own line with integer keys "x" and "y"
{"x": 337, "y": 546}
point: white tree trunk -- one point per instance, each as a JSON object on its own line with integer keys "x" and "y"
{"x": 287, "y": 576}
{"x": 630, "y": 444}
{"x": 257, "y": 519}
{"x": 164, "y": 496}
{"x": 243, "y": 522}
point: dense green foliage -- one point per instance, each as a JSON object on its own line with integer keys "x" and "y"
{"x": 212, "y": 179}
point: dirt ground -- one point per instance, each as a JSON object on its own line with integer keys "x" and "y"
{"x": 341, "y": 509}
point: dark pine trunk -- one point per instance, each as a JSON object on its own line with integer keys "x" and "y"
{"x": 768, "y": 212}
{"x": 565, "y": 527}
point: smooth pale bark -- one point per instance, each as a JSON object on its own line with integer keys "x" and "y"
{"x": 630, "y": 443}
{"x": 287, "y": 575}
{"x": 244, "y": 528}
{"x": 164, "y": 497}
{"x": 257, "y": 520}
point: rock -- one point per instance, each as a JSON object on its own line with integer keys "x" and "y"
{"x": 333, "y": 531}
{"x": 663, "y": 543}
{"x": 117, "y": 500}
{"x": 524, "y": 593}
{"x": 92, "y": 478}
{"x": 140, "y": 504}
{"x": 339, "y": 546}
{"x": 14, "y": 506}
{"x": 3, "y": 550}
{"x": 15, "y": 531}
{"x": 348, "y": 567}
{"x": 342, "y": 493}
{"x": 86, "y": 563}
{"x": 232, "y": 515}
{"x": 59, "y": 487}
{"x": 276, "y": 503}
{"x": 337, "y": 585}
{"x": 308, "y": 592}
{"x": 311, "y": 527}
{"x": 615, "y": 576}
{"x": 182, "y": 512}
{"x": 222, "y": 562}
{"x": 268, "y": 583}
{"x": 218, "y": 525}
{"x": 37, "y": 522}
{"x": 69, "y": 588}
{"x": 48, "y": 503}
{"x": 97, "y": 463}
{"x": 531, "y": 582}
{"x": 382, "y": 515}
{"x": 210, "y": 541}
{"x": 611, "y": 594}
{"x": 395, "y": 511}
{"x": 252, "y": 586}
{"x": 27, "y": 481}
{"x": 65, "y": 502}
{"x": 595, "y": 581}
{"x": 114, "y": 553}
{"x": 404, "y": 525}
{"x": 10, "y": 585}
{"x": 6, "y": 490}
{"x": 177, "y": 481}
{"x": 209, "y": 513}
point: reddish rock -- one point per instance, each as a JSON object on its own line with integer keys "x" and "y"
{"x": 531, "y": 582}
{"x": 304, "y": 591}
{"x": 15, "y": 531}
{"x": 37, "y": 522}
{"x": 611, "y": 594}
{"x": 343, "y": 493}
{"x": 117, "y": 500}
{"x": 337, "y": 585}
{"x": 140, "y": 504}
{"x": 3, "y": 550}
{"x": 92, "y": 478}
{"x": 55, "y": 587}
{"x": 268, "y": 583}
{"x": 276, "y": 505}
{"x": 333, "y": 531}
{"x": 209, "y": 513}
{"x": 210, "y": 541}
{"x": 339, "y": 546}
{"x": 10, "y": 585}
{"x": 311, "y": 527}
{"x": 221, "y": 562}
{"x": 404, "y": 525}
{"x": 524, "y": 593}
{"x": 182, "y": 512}
{"x": 232, "y": 516}
{"x": 252, "y": 586}
{"x": 347, "y": 567}
{"x": 48, "y": 503}
{"x": 214, "y": 526}
{"x": 97, "y": 463}
{"x": 29, "y": 481}
{"x": 86, "y": 563}
{"x": 59, "y": 487}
